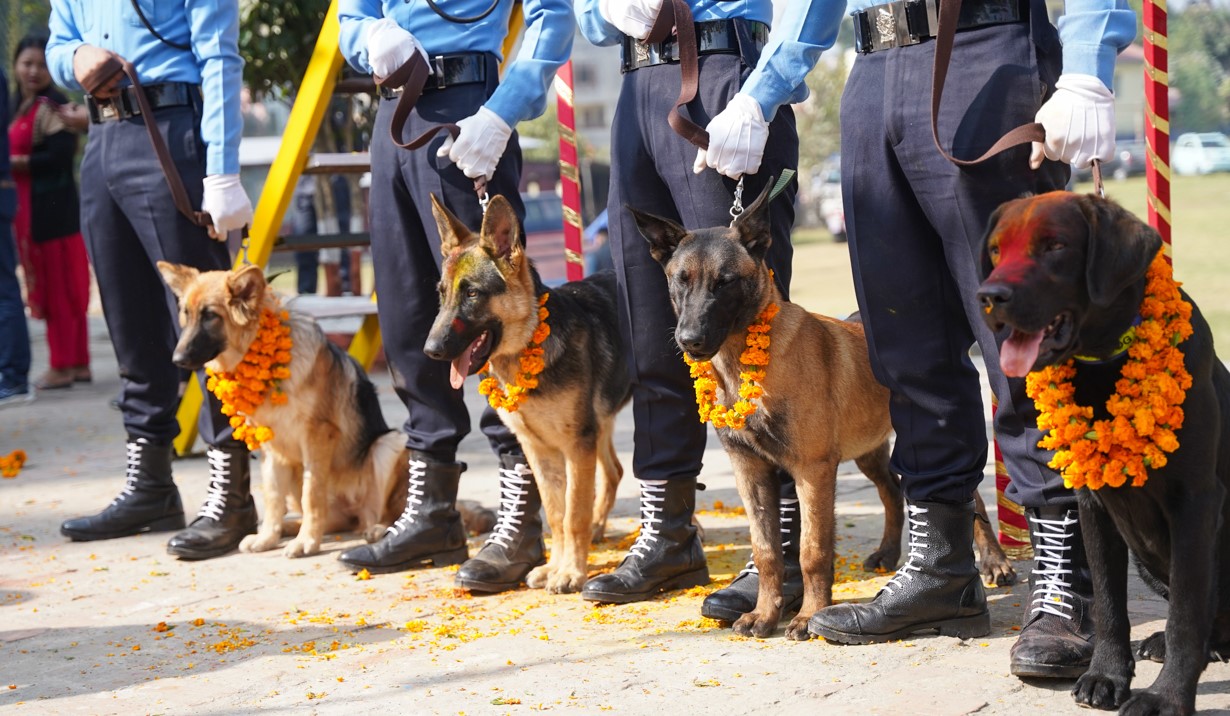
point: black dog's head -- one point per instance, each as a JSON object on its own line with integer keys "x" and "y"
{"x": 717, "y": 277}
{"x": 1065, "y": 273}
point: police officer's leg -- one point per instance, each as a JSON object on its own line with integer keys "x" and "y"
{"x": 669, "y": 442}
{"x": 143, "y": 338}
{"x": 919, "y": 341}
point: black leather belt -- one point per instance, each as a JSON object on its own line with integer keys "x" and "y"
{"x": 736, "y": 36}
{"x": 124, "y": 104}
{"x": 909, "y": 22}
{"x": 449, "y": 70}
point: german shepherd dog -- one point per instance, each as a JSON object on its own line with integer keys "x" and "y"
{"x": 822, "y": 405}
{"x": 489, "y": 308}
{"x": 332, "y": 457}
{"x": 1066, "y": 274}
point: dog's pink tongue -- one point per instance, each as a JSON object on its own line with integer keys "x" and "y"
{"x": 460, "y": 367}
{"x": 1019, "y": 352}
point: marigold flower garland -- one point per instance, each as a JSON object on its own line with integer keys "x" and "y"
{"x": 257, "y": 377}
{"x": 754, "y": 360}
{"x": 1146, "y": 409}
{"x": 508, "y": 396}
{"x": 10, "y": 465}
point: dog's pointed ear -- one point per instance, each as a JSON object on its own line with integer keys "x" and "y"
{"x": 663, "y": 235}
{"x": 246, "y": 290}
{"x": 753, "y": 225}
{"x": 501, "y": 229}
{"x": 453, "y": 233}
{"x": 985, "y": 258}
{"x": 177, "y": 276}
{"x": 1121, "y": 247}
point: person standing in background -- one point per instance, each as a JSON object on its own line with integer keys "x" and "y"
{"x": 14, "y": 333}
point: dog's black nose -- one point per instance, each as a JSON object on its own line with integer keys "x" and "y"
{"x": 434, "y": 350}
{"x": 693, "y": 343}
{"x": 994, "y": 295}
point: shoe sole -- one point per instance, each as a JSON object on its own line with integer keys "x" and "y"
{"x": 486, "y": 587}
{"x": 1048, "y": 671}
{"x": 730, "y": 615}
{"x": 439, "y": 559}
{"x": 163, "y": 524}
{"x": 963, "y": 628}
{"x": 695, "y": 578}
{"x": 193, "y": 555}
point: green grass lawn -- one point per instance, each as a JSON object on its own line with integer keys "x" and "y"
{"x": 1200, "y": 210}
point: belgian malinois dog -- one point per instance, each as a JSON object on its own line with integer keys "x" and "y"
{"x": 490, "y": 296}
{"x": 821, "y": 405}
{"x": 332, "y": 457}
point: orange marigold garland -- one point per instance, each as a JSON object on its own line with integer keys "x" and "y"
{"x": 257, "y": 377}
{"x": 1146, "y": 409}
{"x": 754, "y": 360}
{"x": 508, "y": 396}
{"x": 10, "y": 465}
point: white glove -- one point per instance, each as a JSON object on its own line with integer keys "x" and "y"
{"x": 634, "y": 18}
{"x": 737, "y": 136}
{"x": 479, "y": 145}
{"x": 1080, "y": 123}
{"x": 389, "y": 46}
{"x": 227, "y": 203}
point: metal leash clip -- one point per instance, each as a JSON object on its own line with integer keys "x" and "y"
{"x": 737, "y": 207}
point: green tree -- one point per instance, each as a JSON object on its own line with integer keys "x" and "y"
{"x": 20, "y": 17}
{"x": 276, "y": 41}
{"x": 1199, "y": 43}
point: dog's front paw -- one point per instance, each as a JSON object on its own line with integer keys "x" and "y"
{"x": 797, "y": 629}
{"x": 374, "y": 533}
{"x": 760, "y": 626}
{"x": 1101, "y": 691}
{"x": 258, "y": 543}
{"x": 1151, "y": 703}
{"x": 1153, "y": 648}
{"x": 565, "y": 581}
{"x": 537, "y": 578}
{"x": 997, "y": 571}
{"x": 301, "y": 546}
{"x": 884, "y": 558}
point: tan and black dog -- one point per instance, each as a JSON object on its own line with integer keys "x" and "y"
{"x": 489, "y": 301}
{"x": 1065, "y": 276}
{"x": 332, "y": 457}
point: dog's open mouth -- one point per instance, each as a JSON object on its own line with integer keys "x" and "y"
{"x": 470, "y": 360}
{"x": 1019, "y": 353}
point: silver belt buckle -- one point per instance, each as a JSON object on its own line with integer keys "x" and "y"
{"x": 107, "y": 110}
{"x": 933, "y": 18}
{"x": 437, "y": 69}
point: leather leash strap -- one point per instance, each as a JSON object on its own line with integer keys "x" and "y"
{"x": 412, "y": 78}
{"x": 950, "y": 11}
{"x": 677, "y": 14}
{"x": 117, "y": 65}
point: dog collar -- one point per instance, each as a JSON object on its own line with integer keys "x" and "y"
{"x": 1125, "y": 342}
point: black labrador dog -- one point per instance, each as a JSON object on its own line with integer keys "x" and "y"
{"x": 1066, "y": 274}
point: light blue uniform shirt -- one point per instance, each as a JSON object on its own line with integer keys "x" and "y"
{"x": 1092, "y": 32}
{"x": 545, "y": 45}
{"x": 211, "y": 27}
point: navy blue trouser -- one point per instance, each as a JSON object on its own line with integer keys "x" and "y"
{"x": 130, "y": 222}
{"x": 651, "y": 169}
{"x": 14, "y": 333}
{"x": 916, "y": 223}
{"x": 406, "y": 256}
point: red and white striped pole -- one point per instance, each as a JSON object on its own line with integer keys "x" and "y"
{"x": 1157, "y": 119}
{"x": 569, "y": 174}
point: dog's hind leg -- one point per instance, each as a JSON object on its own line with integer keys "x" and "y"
{"x": 573, "y": 543}
{"x": 875, "y": 466}
{"x": 995, "y": 566}
{"x": 276, "y": 479}
{"x": 609, "y": 473}
{"x": 817, "y": 487}
{"x": 758, "y": 488}
{"x": 383, "y": 473}
{"x": 549, "y": 473}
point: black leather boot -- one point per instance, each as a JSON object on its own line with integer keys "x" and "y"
{"x": 149, "y": 501}
{"x": 1056, "y": 639}
{"x": 229, "y": 512}
{"x": 739, "y": 598}
{"x": 668, "y": 553}
{"x": 515, "y": 545}
{"x": 937, "y": 589}
{"x": 430, "y": 528}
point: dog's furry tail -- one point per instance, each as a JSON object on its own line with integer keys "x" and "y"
{"x": 389, "y": 464}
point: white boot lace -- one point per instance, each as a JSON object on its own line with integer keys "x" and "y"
{"x": 219, "y": 478}
{"x": 132, "y": 472}
{"x": 514, "y": 486}
{"x": 653, "y": 494}
{"x": 788, "y": 506}
{"x": 414, "y": 498}
{"x": 917, "y": 535}
{"x": 1052, "y": 591}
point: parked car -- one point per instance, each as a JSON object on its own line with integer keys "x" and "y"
{"x": 832, "y": 211}
{"x": 1201, "y": 153}
{"x": 1130, "y": 158}
{"x": 544, "y": 235}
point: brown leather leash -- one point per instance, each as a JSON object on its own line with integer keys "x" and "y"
{"x": 116, "y": 65}
{"x": 677, "y": 15}
{"x": 411, "y": 77}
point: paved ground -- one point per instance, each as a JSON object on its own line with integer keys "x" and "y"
{"x": 120, "y": 627}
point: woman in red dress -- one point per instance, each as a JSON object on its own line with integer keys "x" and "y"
{"x": 43, "y": 144}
